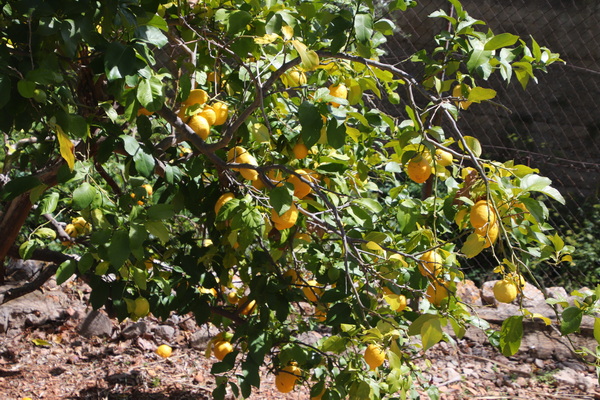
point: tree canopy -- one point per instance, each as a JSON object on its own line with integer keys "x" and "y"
{"x": 235, "y": 160}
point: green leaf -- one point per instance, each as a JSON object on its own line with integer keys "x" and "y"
{"x": 311, "y": 122}
{"x": 5, "y": 89}
{"x": 130, "y": 144}
{"x": 27, "y": 248}
{"x": 160, "y": 211}
{"x": 78, "y": 126}
{"x": 310, "y": 59}
{"x": 150, "y": 94}
{"x": 137, "y": 236}
{"x": 511, "y": 334}
{"x": 501, "y": 40}
{"x": 144, "y": 163}
{"x": 571, "y": 320}
{"x": 119, "y": 61}
{"x": 118, "y": 249}
{"x": 479, "y": 94}
{"x": 26, "y": 88}
{"x": 65, "y": 271}
{"x": 85, "y": 263}
{"x": 371, "y": 205}
{"x": 597, "y": 329}
{"x": 473, "y": 245}
{"x": 237, "y": 21}
{"x": 363, "y": 26}
{"x": 83, "y": 196}
{"x": 478, "y": 57}
{"x": 431, "y": 332}
{"x": 415, "y": 328}
{"x": 159, "y": 230}
{"x": 473, "y": 144}
{"x": 49, "y": 203}
{"x": 281, "y": 198}
{"x": 18, "y": 186}
{"x": 151, "y": 35}
{"x": 537, "y": 183}
{"x": 336, "y": 134}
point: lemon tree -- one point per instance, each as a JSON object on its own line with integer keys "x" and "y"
{"x": 232, "y": 160}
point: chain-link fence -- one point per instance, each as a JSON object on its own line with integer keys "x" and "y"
{"x": 553, "y": 126}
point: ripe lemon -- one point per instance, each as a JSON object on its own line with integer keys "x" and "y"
{"x": 517, "y": 279}
{"x": 164, "y": 351}
{"x": 213, "y": 78}
{"x": 481, "y": 214}
{"x": 286, "y": 378}
{"x": 340, "y": 91}
{"x": 489, "y": 232}
{"x": 505, "y": 291}
{"x": 142, "y": 307}
{"x": 197, "y": 96}
{"x": 418, "y": 169}
{"x": 431, "y": 264}
{"x": 221, "y": 112}
{"x": 82, "y": 226}
{"x": 143, "y": 111}
{"x": 209, "y": 114}
{"x": 287, "y": 219}
{"x": 246, "y": 309}
{"x": 302, "y": 189}
{"x": 233, "y": 298}
{"x": 443, "y": 158}
{"x": 401, "y": 303}
{"x": 457, "y": 92}
{"x": 221, "y": 349}
{"x": 71, "y": 230}
{"x": 320, "y": 315}
{"x": 225, "y": 197}
{"x": 312, "y": 291}
{"x": 296, "y": 78}
{"x": 300, "y": 150}
{"x": 374, "y": 356}
{"x": 436, "y": 292}
{"x": 291, "y": 275}
{"x": 241, "y": 156}
{"x": 200, "y": 126}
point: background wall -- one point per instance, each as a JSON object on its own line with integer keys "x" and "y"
{"x": 554, "y": 125}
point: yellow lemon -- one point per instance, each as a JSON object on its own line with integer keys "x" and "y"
{"x": 71, "y": 230}
{"x": 241, "y": 156}
{"x": 197, "y": 96}
{"x": 481, "y": 214}
{"x": 374, "y": 356}
{"x": 213, "y": 78}
{"x": 296, "y": 78}
{"x": 431, "y": 264}
{"x": 233, "y": 298}
{"x": 164, "y": 351}
{"x": 224, "y": 198}
{"x": 443, "y": 158}
{"x": 340, "y": 91}
{"x": 489, "y": 232}
{"x": 209, "y": 114}
{"x": 418, "y": 169}
{"x": 436, "y": 292}
{"x": 221, "y": 112}
{"x": 287, "y": 219}
{"x": 300, "y": 150}
{"x": 221, "y": 349}
{"x": 457, "y": 92}
{"x": 401, "y": 303}
{"x": 142, "y": 307}
{"x": 200, "y": 126}
{"x": 302, "y": 189}
{"x": 312, "y": 291}
{"x": 246, "y": 307}
{"x": 285, "y": 380}
{"x": 505, "y": 291}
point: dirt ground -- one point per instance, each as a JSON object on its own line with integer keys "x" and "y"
{"x": 53, "y": 361}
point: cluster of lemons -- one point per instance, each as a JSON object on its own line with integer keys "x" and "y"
{"x": 78, "y": 227}
{"x": 201, "y": 116}
{"x": 421, "y": 166}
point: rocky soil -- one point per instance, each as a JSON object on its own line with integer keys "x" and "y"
{"x": 53, "y": 347}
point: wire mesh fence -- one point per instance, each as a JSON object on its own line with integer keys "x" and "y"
{"x": 553, "y": 125}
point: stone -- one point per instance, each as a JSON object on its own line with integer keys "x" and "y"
{"x": 135, "y": 330}
{"x": 487, "y": 293}
{"x": 33, "y": 309}
{"x": 165, "y": 332}
{"x": 96, "y": 323}
{"x": 468, "y": 292}
{"x": 533, "y": 297}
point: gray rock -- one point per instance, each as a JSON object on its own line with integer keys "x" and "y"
{"x": 96, "y": 323}
{"x": 33, "y": 309}
{"x": 199, "y": 340}
{"x": 134, "y": 330}
{"x": 487, "y": 293}
{"x": 165, "y": 332}
{"x": 571, "y": 377}
{"x": 23, "y": 270}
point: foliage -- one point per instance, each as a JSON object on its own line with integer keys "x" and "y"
{"x": 97, "y": 96}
